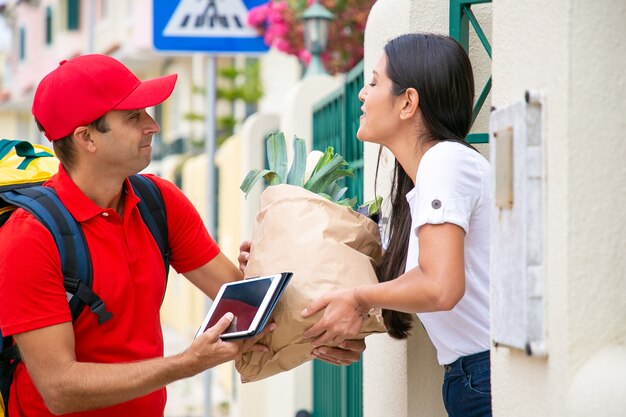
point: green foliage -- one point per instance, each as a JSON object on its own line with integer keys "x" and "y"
{"x": 373, "y": 206}
{"x": 245, "y": 85}
{"x": 330, "y": 168}
{"x": 193, "y": 117}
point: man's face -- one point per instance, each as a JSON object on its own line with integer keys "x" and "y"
{"x": 126, "y": 148}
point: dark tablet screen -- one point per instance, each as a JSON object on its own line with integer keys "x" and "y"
{"x": 241, "y": 300}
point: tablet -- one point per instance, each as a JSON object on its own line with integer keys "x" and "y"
{"x": 251, "y": 301}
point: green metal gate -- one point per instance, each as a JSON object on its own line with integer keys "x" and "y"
{"x": 335, "y": 123}
{"x": 338, "y": 390}
{"x": 461, "y": 16}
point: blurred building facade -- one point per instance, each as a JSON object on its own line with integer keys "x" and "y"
{"x": 41, "y": 33}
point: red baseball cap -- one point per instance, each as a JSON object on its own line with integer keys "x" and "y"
{"x": 82, "y": 89}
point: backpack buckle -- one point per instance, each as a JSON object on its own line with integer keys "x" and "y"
{"x": 100, "y": 310}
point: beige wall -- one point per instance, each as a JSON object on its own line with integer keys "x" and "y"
{"x": 228, "y": 162}
{"x": 296, "y": 117}
{"x": 571, "y": 51}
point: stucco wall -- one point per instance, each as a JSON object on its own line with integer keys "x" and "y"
{"x": 297, "y": 107}
{"x": 574, "y": 52}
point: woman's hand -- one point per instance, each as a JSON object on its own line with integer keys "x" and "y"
{"x": 244, "y": 255}
{"x": 348, "y": 352}
{"x": 342, "y": 320}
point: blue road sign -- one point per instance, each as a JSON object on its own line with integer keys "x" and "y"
{"x": 212, "y": 26}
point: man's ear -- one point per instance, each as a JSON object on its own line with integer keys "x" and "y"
{"x": 410, "y": 103}
{"x": 83, "y": 139}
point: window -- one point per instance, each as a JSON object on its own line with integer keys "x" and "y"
{"x": 104, "y": 9}
{"x": 73, "y": 14}
{"x": 22, "y": 43}
{"x": 48, "y": 25}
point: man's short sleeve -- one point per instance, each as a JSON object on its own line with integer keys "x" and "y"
{"x": 32, "y": 294}
{"x": 190, "y": 243}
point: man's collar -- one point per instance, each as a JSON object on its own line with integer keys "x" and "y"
{"x": 78, "y": 204}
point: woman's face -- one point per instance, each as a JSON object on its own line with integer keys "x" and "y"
{"x": 380, "y": 119}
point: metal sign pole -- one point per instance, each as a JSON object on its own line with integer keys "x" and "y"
{"x": 211, "y": 194}
{"x": 198, "y": 26}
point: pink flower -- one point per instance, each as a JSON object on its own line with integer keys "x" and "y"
{"x": 279, "y": 6}
{"x": 304, "y": 56}
{"x": 277, "y": 30}
{"x": 282, "y": 45}
{"x": 258, "y": 15}
{"x": 267, "y": 39}
{"x": 275, "y": 16}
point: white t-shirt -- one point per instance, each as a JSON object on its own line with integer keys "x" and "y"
{"x": 453, "y": 186}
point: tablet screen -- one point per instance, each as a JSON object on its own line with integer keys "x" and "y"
{"x": 241, "y": 300}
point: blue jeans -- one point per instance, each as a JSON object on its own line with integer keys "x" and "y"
{"x": 467, "y": 386}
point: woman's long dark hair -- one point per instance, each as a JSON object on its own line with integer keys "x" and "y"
{"x": 441, "y": 72}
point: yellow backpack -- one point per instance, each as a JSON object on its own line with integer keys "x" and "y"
{"x": 23, "y": 164}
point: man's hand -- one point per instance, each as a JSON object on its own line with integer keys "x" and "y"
{"x": 208, "y": 350}
{"x": 244, "y": 255}
{"x": 348, "y": 352}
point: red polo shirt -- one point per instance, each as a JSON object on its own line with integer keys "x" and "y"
{"x": 128, "y": 274}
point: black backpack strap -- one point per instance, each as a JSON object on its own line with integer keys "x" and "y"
{"x": 44, "y": 204}
{"x": 8, "y": 350}
{"x": 152, "y": 209}
{"x": 9, "y": 359}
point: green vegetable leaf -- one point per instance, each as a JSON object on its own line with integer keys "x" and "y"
{"x": 327, "y": 180}
{"x": 338, "y": 192}
{"x": 277, "y": 155}
{"x": 329, "y": 169}
{"x": 373, "y": 206}
{"x": 348, "y": 202}
{"x": 254, "y": 176}
{"x": 324, "y": 159}
{"x": 317, "y": 183}
{"x": 298, "y": 166}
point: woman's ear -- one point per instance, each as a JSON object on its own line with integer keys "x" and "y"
{"x": 83, "y": 139}
{"x": 410, "y": 103}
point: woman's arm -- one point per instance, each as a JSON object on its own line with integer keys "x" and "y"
{"x": 437, "y": 284}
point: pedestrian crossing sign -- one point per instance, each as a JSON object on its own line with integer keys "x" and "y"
{"x": 211, "y": 26}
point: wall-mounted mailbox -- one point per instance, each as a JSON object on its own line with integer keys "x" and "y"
{"x": 517, "y": 259}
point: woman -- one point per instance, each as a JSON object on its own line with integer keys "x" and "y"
{"x": 419, "y": 106}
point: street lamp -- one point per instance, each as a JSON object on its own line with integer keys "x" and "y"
{"x": 316, "y": 19}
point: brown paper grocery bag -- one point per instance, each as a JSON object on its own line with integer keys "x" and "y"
{"x": 326, "y": 246}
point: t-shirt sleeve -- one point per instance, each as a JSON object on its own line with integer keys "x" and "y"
{"x": 32, "y": 295}
{"x": 191, "y": 245}
{"x": 449, "y": 183}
